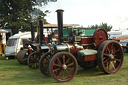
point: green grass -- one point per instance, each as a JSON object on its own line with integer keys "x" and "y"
{"x": 14, "y": 73}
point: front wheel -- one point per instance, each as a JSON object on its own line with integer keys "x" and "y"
{"x": 63, "y": 66}
{"x": 110, "y": 56}
{"x": 44, "y": 63}
{"x": 33, "y": 60}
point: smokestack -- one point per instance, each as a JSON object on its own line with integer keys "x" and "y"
{"x": 41, "y": 39}
{"x": 32, "y": 31}
{"x": 60, "y": 25}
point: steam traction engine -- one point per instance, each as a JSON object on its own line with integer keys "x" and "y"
{"x": 31, "y": 56}
{"x": 62, "y": 61}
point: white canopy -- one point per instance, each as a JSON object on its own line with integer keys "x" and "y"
{"x": 3, "y": 31}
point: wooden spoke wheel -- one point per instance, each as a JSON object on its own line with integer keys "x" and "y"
{"x": 33, "y": 60}
{"x": 87, "y": 65}
{"x": 44, "y": 63}
{"x": 99, "y": 36}
{"x": 110, "y": 56}
{"x": 22, "y": 56}
{"x": 63, "y": 66}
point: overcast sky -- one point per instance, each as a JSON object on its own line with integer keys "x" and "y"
{"x": 90, "y": 12}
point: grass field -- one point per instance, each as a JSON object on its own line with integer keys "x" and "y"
{"x": 14, "y": 73}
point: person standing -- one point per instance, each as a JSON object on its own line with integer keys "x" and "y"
{"x": 2, "y": 46}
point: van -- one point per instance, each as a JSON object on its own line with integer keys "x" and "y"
{"x": 15, "y": 43}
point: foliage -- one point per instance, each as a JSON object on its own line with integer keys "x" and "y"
{"x": 102, "y": 25}
{"x": 15, "y": 14}
{"x": 39, "y": 14}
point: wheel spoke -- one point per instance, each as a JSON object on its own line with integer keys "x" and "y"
{"x": 112, "y": 65}
{"x": 59, "y": 61}
{"x": 56, "y": 65}
{"x": 63, "y": 74}
{"x": 71, "y": 69}
{"x": 106, "y": 60}
{"x": 114, "y": 55}
{"x": 56, "y": 69}
{"x": 108, "y": 50}
{"x": 63, "y": 59}
{"x": 45, "y": 62}
{"x": 47, "y": 59}
{"x": 117, "y": 59}
{"x": 116, "y": 51}
{"x": 67, "y": 60}
{"x": 71, "y": 64}
{"x": 112, "y": 47}
{"x": 46, "y": 66}
{"x": 68, "y": 73}
{"x": 60, "y": 73}
{"x": 106, "y": 54}
{"x": 108, "y": 64}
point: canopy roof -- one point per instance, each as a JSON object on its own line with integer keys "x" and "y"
{"x": 56, "y": 26}
{"x": 3, "y": 31}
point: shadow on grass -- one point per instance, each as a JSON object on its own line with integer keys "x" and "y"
{"x": 90, "y": 72}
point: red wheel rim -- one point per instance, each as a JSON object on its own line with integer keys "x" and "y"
{"x": 112, "y": 57}
{"x": 64, "y": 67}
{"x": 99, "y": 36}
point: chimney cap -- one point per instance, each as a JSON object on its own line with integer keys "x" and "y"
{"x": 60, "y": 10}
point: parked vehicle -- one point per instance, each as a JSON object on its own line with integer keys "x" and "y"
{"x": 121, "y": 35}
{"x": 15, "y": 43}
{"x": 62, "y": 61}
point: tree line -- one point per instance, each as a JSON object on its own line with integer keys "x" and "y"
{"x": 102, "y": 25}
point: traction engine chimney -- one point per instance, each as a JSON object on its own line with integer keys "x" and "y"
{"x": 41, "y": 37}
{"x": 60, "y": 25}
{"x": 32, "y": 32}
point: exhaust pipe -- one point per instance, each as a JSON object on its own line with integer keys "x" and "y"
{"x": 41, "y": 37}
{"x": 32, "y": 31}
{"x": 60, "y": 25}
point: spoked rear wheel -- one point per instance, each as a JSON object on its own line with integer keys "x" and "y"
{"x": 44, "y": 63}
{"x": 33, "y": 61}
{"x": 63, "y": 66}
{"x": 110, "y": 56}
